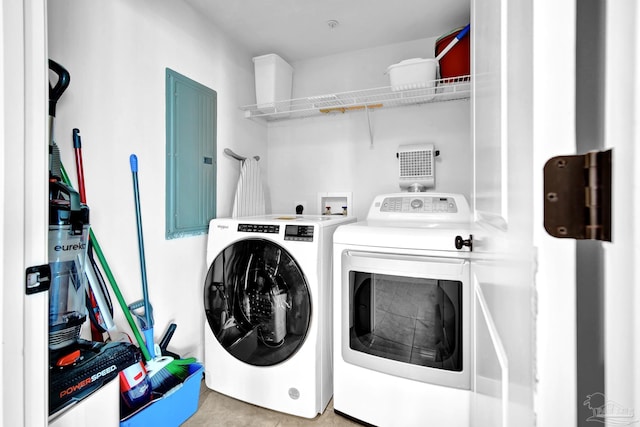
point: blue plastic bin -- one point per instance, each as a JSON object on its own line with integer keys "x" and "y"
{"x": 172, "y": 409}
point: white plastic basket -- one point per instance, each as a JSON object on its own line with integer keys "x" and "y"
{"x": 415, "y": 73}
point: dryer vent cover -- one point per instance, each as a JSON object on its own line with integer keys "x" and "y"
{"x": 416, "y": 167}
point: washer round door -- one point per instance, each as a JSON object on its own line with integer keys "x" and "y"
{"x": 257, "y": 302}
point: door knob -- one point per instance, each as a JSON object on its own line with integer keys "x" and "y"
{"x": 460, "y": 242}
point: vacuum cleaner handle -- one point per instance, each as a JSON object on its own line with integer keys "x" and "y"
{"x": 56, "y": 91}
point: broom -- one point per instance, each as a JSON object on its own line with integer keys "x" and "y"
{"x": 165, "y": 372}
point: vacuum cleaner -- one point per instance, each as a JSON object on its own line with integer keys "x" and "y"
{"x": 77, "y": 367}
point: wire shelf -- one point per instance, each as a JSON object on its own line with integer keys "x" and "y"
{"x": 385, "y": 97}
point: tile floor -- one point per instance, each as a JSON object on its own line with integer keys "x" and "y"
{"x": 218, "y": 410}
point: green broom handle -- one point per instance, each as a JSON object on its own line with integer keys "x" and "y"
{"x": 119, "y": 297}
{"x": 112, "y": 281}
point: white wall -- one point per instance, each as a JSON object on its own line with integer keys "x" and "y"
{"x": 116, "y": 53}
{"x": 356, "y": 70}
{"x": 335, "y": 153}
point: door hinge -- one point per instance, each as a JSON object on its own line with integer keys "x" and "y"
{"x": 38, "y": 279}
{"x": 577, "y": 196}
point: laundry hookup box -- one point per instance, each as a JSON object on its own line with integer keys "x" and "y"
{"x": 174, "y": 407}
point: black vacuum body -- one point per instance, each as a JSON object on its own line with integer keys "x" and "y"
{"x": 68, "y": 243}
{"x": 80, "y": 369}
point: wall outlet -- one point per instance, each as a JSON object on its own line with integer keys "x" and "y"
{"x": 304, "y": 205}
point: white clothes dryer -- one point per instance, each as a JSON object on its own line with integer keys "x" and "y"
{"x": 268, "y": 306}
{"x": 402, "y": 312}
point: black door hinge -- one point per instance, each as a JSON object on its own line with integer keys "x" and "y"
{"x": 577, "y": 196}
{"x": 37, "y": 279}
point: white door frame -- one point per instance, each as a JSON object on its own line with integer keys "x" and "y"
{"x": 557, "y": 402}
{"x": 622, "y": 255}
{"x": 554, "y": 134}
{"x": 23, "y": 226}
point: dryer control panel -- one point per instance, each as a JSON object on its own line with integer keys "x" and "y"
{"x": 419, "y": 204}
{"x": 426, "y": 207}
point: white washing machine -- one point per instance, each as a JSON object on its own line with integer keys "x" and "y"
{"x": 402, "y": 312}
{"x": 268, "y": 305}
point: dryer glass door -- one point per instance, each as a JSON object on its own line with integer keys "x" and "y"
{"x": 407, "y": 316}
{"x": 257, "y": 302}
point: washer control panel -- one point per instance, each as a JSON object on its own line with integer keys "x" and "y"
{"x": 259, "y": 228}
{"x": 302, "y": 233}
{"x": 419, "y": 204}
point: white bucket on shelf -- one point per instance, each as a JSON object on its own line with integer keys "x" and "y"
{"x": 273, "y": 83}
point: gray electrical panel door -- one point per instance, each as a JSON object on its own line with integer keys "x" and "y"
{"x": 191, "y": 156}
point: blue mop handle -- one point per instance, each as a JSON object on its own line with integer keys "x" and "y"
{"x": 148, "y": 333}
{"x": 464, "y": 32}
{"x": 453, "y": 42}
